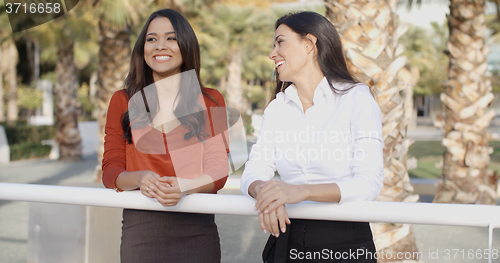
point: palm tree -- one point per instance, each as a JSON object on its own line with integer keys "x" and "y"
{"x": 426, "y": 53}
{"x": 8, "y": 70}
{"x": 64, "y": 32}
{"x": 9, "y": 64}
{"x": 114, "y": 56}
{"x": 2, "y": 112}
{"x": 370, "y": 33}
{"x": 467, "y": 97}
{"x": 235, "y": 28}
{"x": 228, "y": 35}
{"x": 68, "y": 136}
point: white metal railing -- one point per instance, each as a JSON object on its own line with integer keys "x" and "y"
{"x": 376, "y": 211}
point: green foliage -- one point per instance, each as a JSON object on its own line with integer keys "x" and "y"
{"x": 426, "y": 52}
{"x": 226, "y": 30}
{"x": 28, "y": 151}
{"x": 25, "y": 141}
{"x": 121, "y": 13}
{"x": 50, "y": 76}
{"x": 86, "y": 53}
{"x": 29, "y": 98}
{"x": 411, "y": 3}
{"x": 421, "y": 149}
{"x": 21, "y": 132}
{"x": 493, "y": 20}
{"x": 86, "y": 105}
{"x": 280, "y": 9}
{"x": 426, "y": 168}
{"x": 495, "y": 80}
{"x": 428, "y": 153}
{"x": 247, "y": 122}
{"x": 258, "y": 95}
{"x": 223, "y": 30}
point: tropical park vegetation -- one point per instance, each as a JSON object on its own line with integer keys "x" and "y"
{"x": 86, "y": 55}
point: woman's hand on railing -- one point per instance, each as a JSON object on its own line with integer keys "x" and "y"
{"x": 270, "y": 203}
{"x": 274, "y": 221}
{"x": 147, "y": 181}
{"x": 167, "y": 191}
{"x": 273, "y": 194}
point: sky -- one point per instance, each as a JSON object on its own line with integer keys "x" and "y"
{"x": 425, "y": 14}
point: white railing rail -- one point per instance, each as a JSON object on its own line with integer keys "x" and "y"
{"x": 390, "y": 212}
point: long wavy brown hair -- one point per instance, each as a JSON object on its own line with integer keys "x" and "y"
{"x": 141, "y": 75}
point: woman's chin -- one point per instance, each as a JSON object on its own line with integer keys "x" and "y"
{"x": 284, "y": 79}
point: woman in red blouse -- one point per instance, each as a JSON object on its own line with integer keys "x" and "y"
{"x": 166, "y": 136}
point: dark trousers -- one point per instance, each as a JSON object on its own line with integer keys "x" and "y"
{"x": 318, "y": 241}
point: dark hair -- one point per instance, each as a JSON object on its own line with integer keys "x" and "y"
{"x": 141, "y": 75}
{"x": 330, "y": 53}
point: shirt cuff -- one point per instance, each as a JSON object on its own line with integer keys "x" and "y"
{"x": 356, "y": 189}
{"x": 246, "y": 181}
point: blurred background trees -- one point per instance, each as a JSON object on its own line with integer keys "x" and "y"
{"x": 467, "y": 97}
{"x": 425, "y": 51}
{"x": 86, "y": 55}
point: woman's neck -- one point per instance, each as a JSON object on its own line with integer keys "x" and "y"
{"x": 168, "y": 87}
{"x": 307, "y": 83}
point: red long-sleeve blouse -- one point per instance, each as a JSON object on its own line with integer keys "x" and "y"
{"x": 178, "y": 157}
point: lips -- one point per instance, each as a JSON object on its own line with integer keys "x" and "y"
{"x": 279, "y": 63}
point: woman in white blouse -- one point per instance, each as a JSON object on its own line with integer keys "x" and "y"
{"x": 322, "y": 132}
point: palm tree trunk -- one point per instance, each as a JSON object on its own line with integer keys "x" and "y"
{"x": 11, "y": 57}
{"x": 466, "y": 178}
{"x": 114, "y": 62}
{"x": 370, "y": 36}
{"x": 67, "y": 136}
{"x": 2, "y": 104}
{"x": 234, "y": 89}
{"x": 33, "y": 54}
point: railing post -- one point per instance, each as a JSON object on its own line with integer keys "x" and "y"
{"x": 494, "y": 223}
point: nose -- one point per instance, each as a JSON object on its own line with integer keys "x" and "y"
{"x": 273, "y": 54}
{"x": 160, "y": 45}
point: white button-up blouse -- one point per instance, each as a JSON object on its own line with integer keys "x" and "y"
{"x": 337, "y": 140}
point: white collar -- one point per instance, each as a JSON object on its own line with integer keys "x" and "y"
{"x": 323, "y": 94}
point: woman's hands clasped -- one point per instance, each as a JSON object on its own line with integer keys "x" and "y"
{"x": 271, "y": 197}
{"x": 165, "y": 189}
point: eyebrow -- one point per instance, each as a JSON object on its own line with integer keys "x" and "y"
{"x": 166, "y": 33}
{"x": 276, "y": 38}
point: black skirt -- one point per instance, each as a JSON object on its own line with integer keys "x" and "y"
{"x": 322, "y": 241}
{"x": 160, "y": 237}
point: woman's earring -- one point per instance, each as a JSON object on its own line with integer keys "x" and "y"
{"x": 282, "y": 86}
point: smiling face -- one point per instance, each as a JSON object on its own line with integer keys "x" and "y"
{"x": 161, "y": 50}
{"x": 289, "y": 54}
